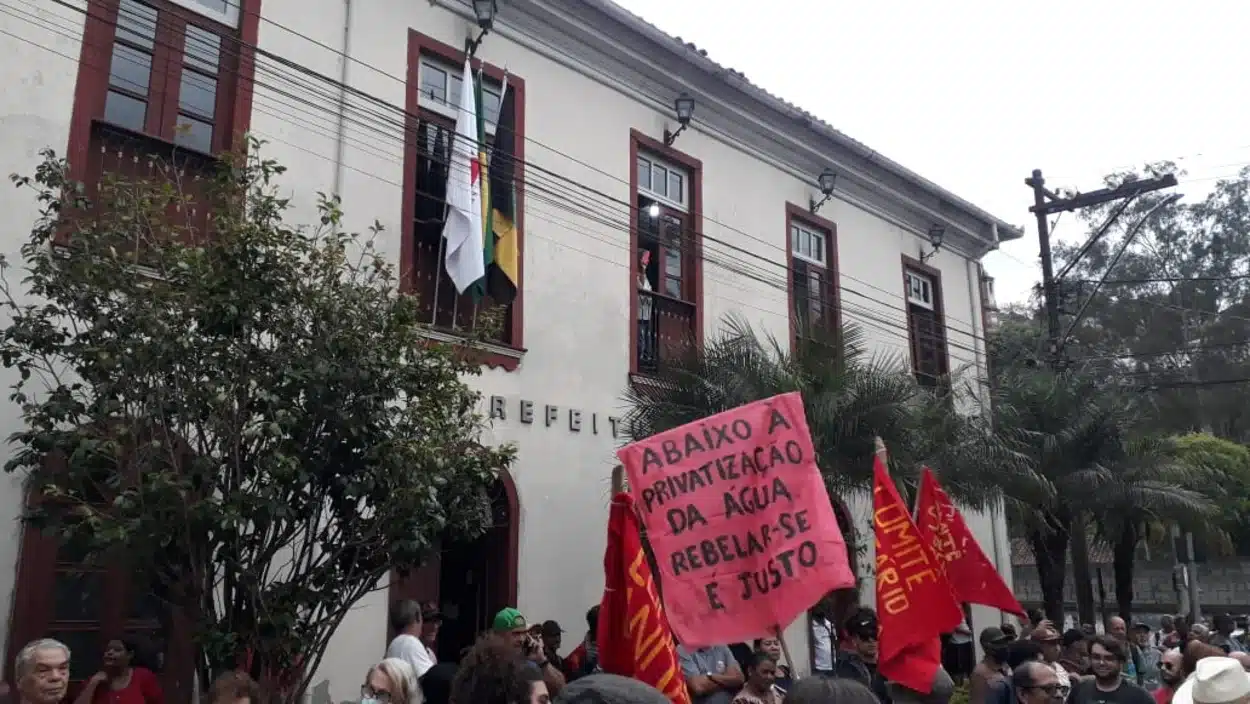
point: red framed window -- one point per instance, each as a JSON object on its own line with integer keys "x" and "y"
{"x": 813, "y": 275}
{"x": 84, "y": 604}
{"x": 163, "y": 85}
{"x": 925, "y": 322}
{"x": 434, "y": 88}
{"x": 666, "y": 273}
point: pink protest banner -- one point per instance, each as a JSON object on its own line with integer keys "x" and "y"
{"x": 738, "y": 518}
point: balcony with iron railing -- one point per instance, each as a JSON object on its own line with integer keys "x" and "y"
{"x": 665, "y": 328}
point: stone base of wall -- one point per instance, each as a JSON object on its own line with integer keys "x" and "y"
{"x": 1223, "y": 586}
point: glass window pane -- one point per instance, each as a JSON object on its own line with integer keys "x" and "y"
{"x": 453, "y": 90}
{"x": 818, "y": 248}
{"x": 490, "y": 104}
{"x": 198, "y": 94}
{"x": 85, "y": 649}
{"x": 125, "y": 111}
{"x": 659, "y": 179}
{"x": 130, "y": 70}
{"x": 203, "y": 49}
{"x": 672, "y": 286}
{"x": 194, "y": 134}
{"x": 675, "y": 189}
{"x": 77, "y": 595}
{"x": 433, "y": 83}
{"x": 644, "y": 173}
{"x": 136, "y": 23}
{"x": 215, "y": 6}
{"x": 796, "y": 238}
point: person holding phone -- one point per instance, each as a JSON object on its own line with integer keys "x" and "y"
{"x": 514, "y": 629}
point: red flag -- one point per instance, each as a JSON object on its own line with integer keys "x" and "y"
{"x": 634, "y": 636}
{"x": 971, "y": 574}
{"x": 915, "y": 604}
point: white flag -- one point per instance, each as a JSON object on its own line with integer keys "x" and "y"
{"x": 463, "y": 228}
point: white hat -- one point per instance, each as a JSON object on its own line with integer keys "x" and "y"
{"x": 1216, "y": 680}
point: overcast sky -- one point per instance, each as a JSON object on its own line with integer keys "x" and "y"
{"x": 975, "y": 94}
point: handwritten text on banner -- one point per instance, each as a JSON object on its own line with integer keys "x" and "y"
{"x": 738, "y": 517}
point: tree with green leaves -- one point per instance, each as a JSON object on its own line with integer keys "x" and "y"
{"x": 1171, "y": 318}
{"x": 246, "y": 414}
{"x": 1102, "y": 469}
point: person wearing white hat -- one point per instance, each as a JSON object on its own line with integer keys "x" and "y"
{"x": 1216, "y": 680}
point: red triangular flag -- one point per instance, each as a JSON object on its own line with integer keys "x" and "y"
{"x": 915, "y": 604}
{"x": 634, "y": 637}
{"x": 971, "y": 574}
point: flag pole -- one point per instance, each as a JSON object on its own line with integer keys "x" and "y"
{"x": 785, "y": 649}
{"x": 618, "y": 479}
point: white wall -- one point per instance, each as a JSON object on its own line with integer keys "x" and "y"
{"x": 577, "y": 269}
{"x": 38, "y": 77}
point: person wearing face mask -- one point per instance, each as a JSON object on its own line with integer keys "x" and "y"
{"x": 993, "y": 666}
{"x": 392, "y": 681}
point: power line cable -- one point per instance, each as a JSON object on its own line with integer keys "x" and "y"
{"x": 705, "y": 237}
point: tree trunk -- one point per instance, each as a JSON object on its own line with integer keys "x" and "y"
{"x": 1122, "y": 564}
{"x": 1050, "y": 553}
{"x": 842, "y": 513}
{"x": 1082, "y": 576}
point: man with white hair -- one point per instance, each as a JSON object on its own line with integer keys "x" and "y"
{"x": 1216, "y": 680}
{"x": 42, "y": 672}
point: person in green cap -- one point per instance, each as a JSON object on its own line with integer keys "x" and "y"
{"x": 510, "y": 625}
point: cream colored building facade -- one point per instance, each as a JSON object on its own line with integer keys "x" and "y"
{"x": 354, "y": 97}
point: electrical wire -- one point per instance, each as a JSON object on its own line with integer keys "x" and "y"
{"x": 950, "y": 328}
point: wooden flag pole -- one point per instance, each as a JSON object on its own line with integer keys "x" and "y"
{"x": 618, "y": 479}
{"x": 881, "y": 451}
{"x": 785, "y": 649}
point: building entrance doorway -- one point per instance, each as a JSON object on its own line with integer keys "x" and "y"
{"x": 470, "y": 581}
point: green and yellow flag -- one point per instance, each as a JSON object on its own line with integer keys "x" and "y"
{"x": 481, "y": 288}
{"x": 503, "y": 255}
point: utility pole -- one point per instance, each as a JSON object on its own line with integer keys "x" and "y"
{"x": 1045, "y": 204}
{"x": 1049, "y": 294}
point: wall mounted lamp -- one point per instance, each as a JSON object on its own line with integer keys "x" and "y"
{"x": 937, "y": 233}
{"x": 485, "y": 11}
{"x": 684, "y": 107}
{"x": 826, "y": 180}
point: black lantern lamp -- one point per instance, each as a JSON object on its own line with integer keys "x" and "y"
{"x": 485, "y": 11}
{"x": 937, "y": 233}
{"x": 827, "y": 180}
{"x": 684, "y": 107}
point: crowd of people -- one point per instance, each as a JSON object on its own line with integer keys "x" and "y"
{"x": 517, "y": 662}
{"x": 1125, "y": 665}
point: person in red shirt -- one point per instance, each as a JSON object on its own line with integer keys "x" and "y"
{"x": 121, "y": 682}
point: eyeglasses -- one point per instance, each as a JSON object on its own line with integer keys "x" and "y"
{"x": 1051, "y": 690}
{"x": 1103, "y": 658}
{"x": 370, "y": 694}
